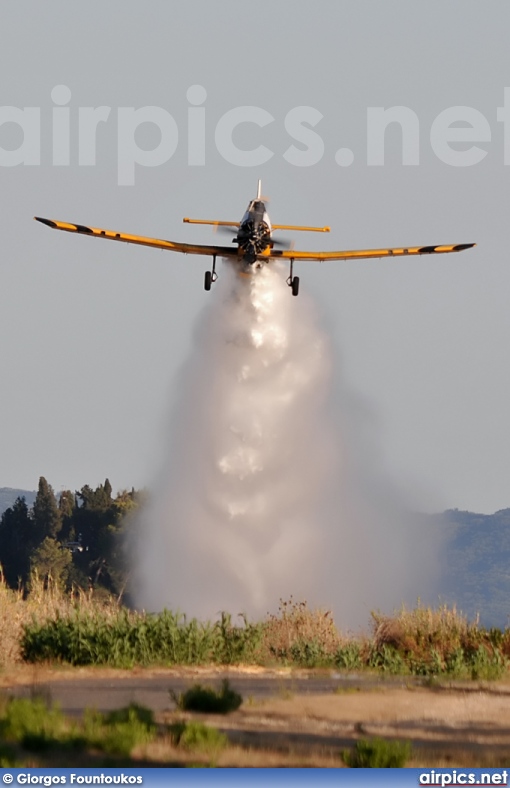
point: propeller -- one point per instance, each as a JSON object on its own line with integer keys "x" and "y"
{"x": 282, "y": 243}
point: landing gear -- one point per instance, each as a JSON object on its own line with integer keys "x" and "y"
{"x": 293, "y": 281}
{"x": 210, "y": 276}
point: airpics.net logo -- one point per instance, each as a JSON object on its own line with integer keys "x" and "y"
{"x": 453, "y": 126}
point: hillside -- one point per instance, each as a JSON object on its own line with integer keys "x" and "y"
{"x": 9, "y": 494}
{"x": 476, "y": 572}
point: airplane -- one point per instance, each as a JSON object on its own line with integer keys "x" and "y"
{"x": 256, "y": 245}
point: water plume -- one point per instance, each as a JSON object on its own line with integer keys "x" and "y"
{"x": 269, "y": 488}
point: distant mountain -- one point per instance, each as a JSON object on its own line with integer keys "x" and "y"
{"x": 8, "y": 495}
{"x": 476, "y": 572}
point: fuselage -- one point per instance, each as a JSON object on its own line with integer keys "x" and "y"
{"x": 254, "y": 233}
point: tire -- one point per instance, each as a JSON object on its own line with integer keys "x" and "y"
{"x": 295, "y": 286}
{"x": 207, "y": 280}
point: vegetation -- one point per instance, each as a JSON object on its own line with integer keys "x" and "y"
{"x": 45, "y": 601}
{"x": 63, "y": 577}
{"x": 35, "y": 727}
{"x": 77, "y": 539}
{"x": 197, "y": 736}
{"x": 208, "y": 700}
{"x": 298, "y": 635}
{"x": 377, "y": 754}
{"x": 49, "y": 625}
{"x": 121, "y": 638}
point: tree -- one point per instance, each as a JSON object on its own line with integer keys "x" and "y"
{"x": 66, "y": 507}
{"x": 51, "y": 560}
{"x": 66, "y": 503}
{"x": 107, "y": 487}
{"x": 16, "y": 542}
{"x": 47, "y": 517}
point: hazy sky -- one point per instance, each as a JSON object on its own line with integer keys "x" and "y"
{"x": 93, "y": 335}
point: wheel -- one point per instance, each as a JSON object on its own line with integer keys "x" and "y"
{"x": 295, "y": 286}
{"x": 207, "y": 280}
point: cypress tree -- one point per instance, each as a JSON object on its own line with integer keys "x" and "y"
{"x": 16, "y": 543}
{"x": 47, "y": 517}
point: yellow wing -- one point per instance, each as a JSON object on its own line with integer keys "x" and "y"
{"x": 221, "y": 251}
{"x": 293, "y": 254}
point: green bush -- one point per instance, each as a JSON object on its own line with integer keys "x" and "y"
{"x": 377, "y": 754}
{"x": 32, "y": 723}
{"x": 118, "y": 732}
{"x": 37, "y": 727}
{"x": 389, "y": 660}
{"x": 208, "y": 700}
{"x": 197, "y": 736}
{"x": 349, "y": 656}
{"x": 128, "y": 639}
{"x": 7, "y": 757}
{"x": 422, "y": 642}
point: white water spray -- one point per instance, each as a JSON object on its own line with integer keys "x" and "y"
{"x": 262, "y": 496}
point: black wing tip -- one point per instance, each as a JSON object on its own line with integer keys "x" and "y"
{"x": 48, "y": 222}
{"x": 456, "y": 248}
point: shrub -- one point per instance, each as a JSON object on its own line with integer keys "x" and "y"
{"x": 7, "y": 757}
{"x": 388, "y": 659}
{"x": 377, "y": 754}
{"x": 432, "y": 642}
{"x": 208, "y": 700}
{"x": 349, "y": 656}
{"x": 118, "y": 732}
{"x": 43, "y": 602}
{"x": 125, "y": 638}
{"x": 32, "y": 723}
{"x": 37, "y": 727}
{"x": 236, "y": 644}
{"x": 301, "y": 636}
{"x": 197, "y": 736}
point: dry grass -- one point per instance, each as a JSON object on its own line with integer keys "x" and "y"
{"x": 295, "y": 625}
{"x": 444, "y": 627}
{"x": 424, "y": 641}
{"x": 44, "y": 602}
{"x": 426, "y": 635}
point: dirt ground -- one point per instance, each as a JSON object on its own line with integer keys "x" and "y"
{"x": 453, "y": 722}
{"x": 316, "y": 715}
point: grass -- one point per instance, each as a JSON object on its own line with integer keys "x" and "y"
{"x": 118, "y": 732}
{"x": 297, "y": 635}
{"x": 123, "y": 638}
{"x": 34, "y": 734}
{"x": 377, "y": 754}
{"x": 47, "y": 625}
{"x": 207, "y": 700}
{"x": 434, "y": 642}
{"x": 42, "y": 604}
{"x": 37, "y": 728}
{"x": 125, "y": 737}
{"x": 31, "y": 723}
{"x": 198, "y": 737}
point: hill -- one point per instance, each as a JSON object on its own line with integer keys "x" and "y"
{"x": 476, "y": 573}
{"x": 9, "y": 494}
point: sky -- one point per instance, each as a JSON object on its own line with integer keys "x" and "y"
{"x": 94, "y": 335}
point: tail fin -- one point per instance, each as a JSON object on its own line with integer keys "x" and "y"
{"x": 259, "y": 189}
